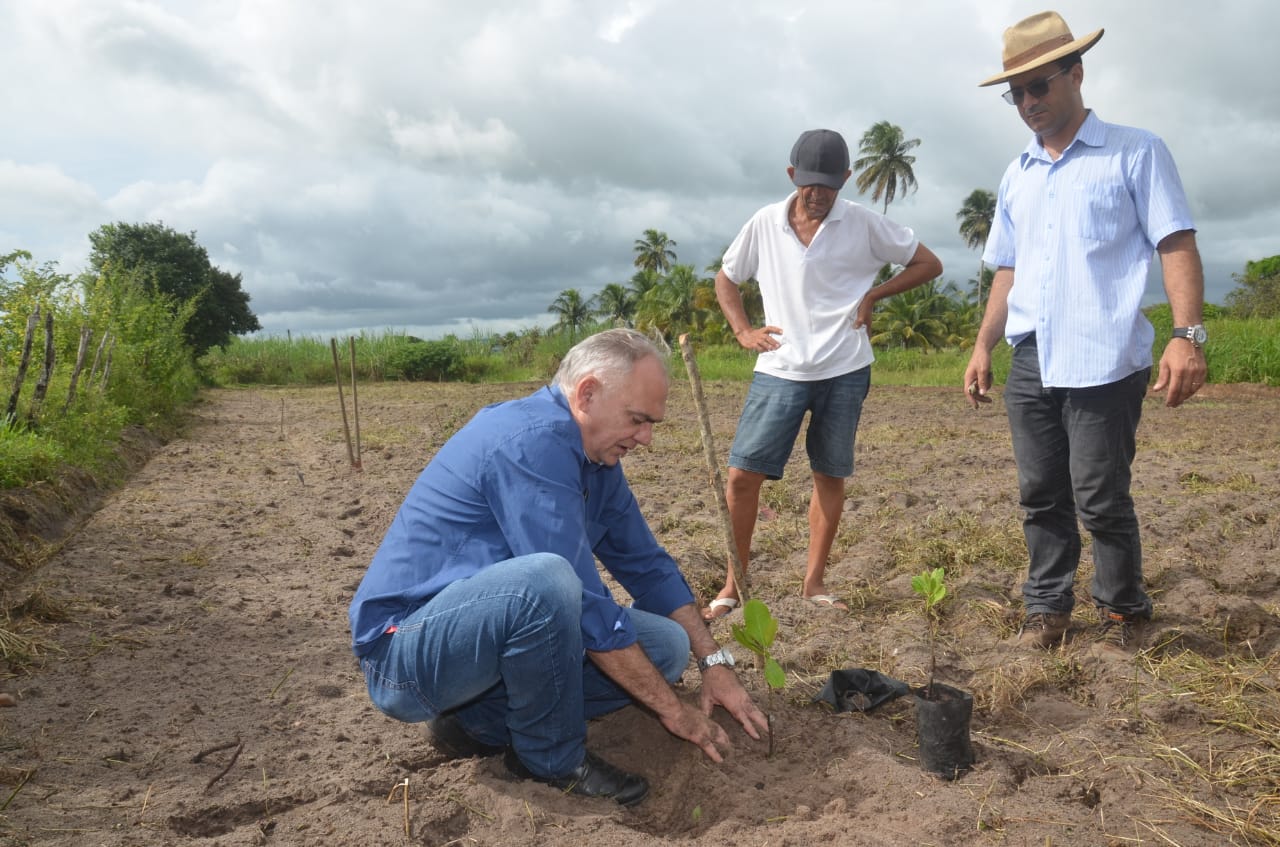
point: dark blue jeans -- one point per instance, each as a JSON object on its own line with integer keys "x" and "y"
{"x": 1074, "y": 448}
{"x": 774, "y": 411}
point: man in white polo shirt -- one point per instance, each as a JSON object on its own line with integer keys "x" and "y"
{"x": 816, "y": 258}
{"x": 1078, "y": 217}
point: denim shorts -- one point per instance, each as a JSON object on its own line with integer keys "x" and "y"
{"x": 774, "y": 410}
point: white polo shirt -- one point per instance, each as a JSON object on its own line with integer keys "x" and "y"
{"x": 812, "y": 293}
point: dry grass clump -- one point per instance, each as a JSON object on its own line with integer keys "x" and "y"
{"x": 1240, "y": 698}
{"x": 22, "y": 644}
{"x": 39, "y": 606}
{"x": 959, "y": 543}
{"x": 1002, "y": 691}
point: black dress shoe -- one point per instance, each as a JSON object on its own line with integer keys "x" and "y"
{"x": 448, "y": 736}
{"x": 593, "y": 778}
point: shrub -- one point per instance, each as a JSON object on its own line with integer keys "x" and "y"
{"x": 425, "y": 360}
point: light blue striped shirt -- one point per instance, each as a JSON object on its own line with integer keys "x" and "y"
{"x": 1080, "y": 234}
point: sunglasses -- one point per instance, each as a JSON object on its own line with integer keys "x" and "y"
{"x": 1036, "y": 89}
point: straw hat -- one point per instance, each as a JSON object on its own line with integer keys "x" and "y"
{"x": 1038, "y": 40}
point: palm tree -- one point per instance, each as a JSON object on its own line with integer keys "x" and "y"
{"x": 915, "y": 318}
{"x": 671, "y": 306}
{"x": 642, "y": 281}
{"x": 975, "y": 216}
{"x": 654, "y": 253}
{"x": 616, "y": 303}
{"x": 884, "y": 165}
{"x": 573, "y": 311}
{"x": 752, "y": 301}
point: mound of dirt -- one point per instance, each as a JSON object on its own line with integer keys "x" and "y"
{"x": 32, "y": 519}
{"x": 202, "y": 690}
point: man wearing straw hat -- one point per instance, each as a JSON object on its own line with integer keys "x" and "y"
{"x": 1079, "y": 215}
{"x": 484, "y": 614}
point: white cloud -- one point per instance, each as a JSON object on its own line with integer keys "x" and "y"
{"x": 438, "y": 164}
{"x": 449, "y": 138}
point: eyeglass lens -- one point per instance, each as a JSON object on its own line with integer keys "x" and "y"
{"x": 1036, "y": 89}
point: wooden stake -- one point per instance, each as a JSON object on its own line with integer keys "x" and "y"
{"x": 717, "y": 483}
{"x": 46, "y": 372}
{"x": 86, "y": 335}
{"x": 33, "y": 320}
{"x": 337, "y": 373}
{"x": 355, "y": 402}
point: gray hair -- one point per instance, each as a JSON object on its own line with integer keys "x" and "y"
{"x": 609, "y": 355}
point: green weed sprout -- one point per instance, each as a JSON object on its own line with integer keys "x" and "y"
{"x": 756, "y": 634}
{"x": 931, "y": 586}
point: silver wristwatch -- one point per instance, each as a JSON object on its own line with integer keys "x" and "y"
{"x": 719, "y": 657}
{"x": 1195, "y": 334}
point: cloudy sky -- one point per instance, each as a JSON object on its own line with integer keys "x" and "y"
{"x": 436, "y": 165}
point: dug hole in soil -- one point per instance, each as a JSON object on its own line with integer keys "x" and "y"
{"x": 201, "y": 688}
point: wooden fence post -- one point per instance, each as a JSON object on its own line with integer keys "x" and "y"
{"x": 86, "y": 336}
{"x": 337, "y": 372}
{"x": 355, "y": 401}
{"x": 46, "y": 373}
{"x": 11, "y": 411}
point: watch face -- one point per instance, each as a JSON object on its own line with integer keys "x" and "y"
{"x": 1198, "y": 335}
{"x": 720, "y": 657}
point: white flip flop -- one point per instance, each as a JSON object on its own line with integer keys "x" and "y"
{"x": 729, "y": 603}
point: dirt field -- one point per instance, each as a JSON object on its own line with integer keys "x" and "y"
{"x": 201, "y": 689}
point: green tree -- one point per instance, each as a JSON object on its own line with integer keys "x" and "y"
{"x": 152, "y": 372}
{"x": 32, "y": 290}
{"x": 915, "y": 318}
{"x": 1257, "y": 291}
{"x": 642, "y": 282}
{"x": 884, "y": 164}
{"x": 671, "y": 306}
{"x": 572, "y": 312}
{"x": 975, "y": 217}
{"x": 752, "y": 302}
{"x": 616, "y": 303}
{"x": 654, "y": 252}
{"x": 174, "y": 265}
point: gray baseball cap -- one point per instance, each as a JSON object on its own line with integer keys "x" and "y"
{"x": 820, "y": 157}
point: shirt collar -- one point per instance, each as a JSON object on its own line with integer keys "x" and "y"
{"x": 562, "y": 401}
{"x": 1092, "y": 133}
{"x": 836, "y": 213}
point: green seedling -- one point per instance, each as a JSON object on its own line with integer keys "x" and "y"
{"x": 931, "y": 586}
{"x": 756, "y": 633}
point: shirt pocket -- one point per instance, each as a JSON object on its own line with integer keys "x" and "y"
{"x": 1103, "y": 210}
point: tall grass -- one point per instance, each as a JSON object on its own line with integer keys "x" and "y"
{"x": 308, "y": 360}
{"x": 1243, "y": 351}
{"x": 1238, "y": 351}
{"x": 936, "y": 367}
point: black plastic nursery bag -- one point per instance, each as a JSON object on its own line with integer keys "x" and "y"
{"x": 859, "y": 690}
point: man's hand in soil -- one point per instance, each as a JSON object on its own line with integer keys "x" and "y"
{"x": 720, "y": 687}
{"x": 699, "y": 729}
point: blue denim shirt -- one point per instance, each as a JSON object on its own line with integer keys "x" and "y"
{"x": 515, "y": 481}
{"x": 1080, "y": 234}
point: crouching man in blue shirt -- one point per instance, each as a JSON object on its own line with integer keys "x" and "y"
{"x": 483, "y": 611}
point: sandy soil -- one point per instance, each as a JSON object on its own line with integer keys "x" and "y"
{"x": 201, "y": 689}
